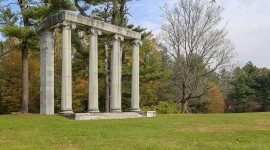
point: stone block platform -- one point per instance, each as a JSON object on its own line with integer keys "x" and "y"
{"x": 103, "y": 116}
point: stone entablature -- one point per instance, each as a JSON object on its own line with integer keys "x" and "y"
{"x": 67, "y": 21}
{"x": 83, "y": 21}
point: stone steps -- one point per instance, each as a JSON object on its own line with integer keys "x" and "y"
{"x": 102, "y": 116}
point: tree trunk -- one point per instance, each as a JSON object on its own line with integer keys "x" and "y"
{"x": 106, "y": 12}
{"x": 106, "y": 78}
{"x": 25, "y": 90}
{"x": 80, "y": 8}
{"x": 122, "y": 13}
{"x": 184, "y": 107}
{"x": 115, "y": 13}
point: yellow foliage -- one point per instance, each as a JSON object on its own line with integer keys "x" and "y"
{"x": 34, "y": 84}
{"x": 80, "y": 94}
{"x": 11, "y": 82}
{"x": 215, "y": 100}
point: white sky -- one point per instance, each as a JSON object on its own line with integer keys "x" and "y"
{"x": 248, "y": 25}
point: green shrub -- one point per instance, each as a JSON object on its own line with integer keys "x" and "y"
{"x": 167, "y": 107}
{"x": 148, "y": 108}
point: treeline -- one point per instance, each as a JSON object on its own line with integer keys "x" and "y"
{"x": 195, "y": 80}
{"x": 250, "y": 89}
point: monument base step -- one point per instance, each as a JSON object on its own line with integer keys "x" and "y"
{"x": 102, "y": 116}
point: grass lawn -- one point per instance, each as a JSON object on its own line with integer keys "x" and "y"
{"x": 196, "y": 131}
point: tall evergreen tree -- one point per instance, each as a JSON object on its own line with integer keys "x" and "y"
{"x": 251, "y": 90}
{"x": 29, "y": 15}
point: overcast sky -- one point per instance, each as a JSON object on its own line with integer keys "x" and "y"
{"x": 248, "y": 25}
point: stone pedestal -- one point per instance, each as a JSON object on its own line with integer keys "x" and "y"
{"x": 135, "y": 103}
{"x": 115, "y": 88}
{"x": 93, "y": 71}
{"x": 47, "y": 73}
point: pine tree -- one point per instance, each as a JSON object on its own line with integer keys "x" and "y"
{"x": 26, "y": 30}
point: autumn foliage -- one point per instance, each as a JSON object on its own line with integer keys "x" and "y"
{"x": 215, "y": 100}
{"x": 11, "y": 83}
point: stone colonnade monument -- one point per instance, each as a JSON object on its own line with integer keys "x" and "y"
{"x": 68, "y": 21}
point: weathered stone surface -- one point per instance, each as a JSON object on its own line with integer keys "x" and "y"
{"x": 80, "y": 20}
{"x": 102, "y": 116}
{"x": 135, "y": 96}
{"x": 148, "y": 113}
{"x": 93, "y": 71}
{"x": 67, "y": 21}
{"x": 116, "y": 74}
{"x": 47, "y": 73}
{"x": 66, "y": 83}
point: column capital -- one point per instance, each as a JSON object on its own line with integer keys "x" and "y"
{"x": 94, "y": 31}
{"x": 50, "y": 29}
{"x": 137, "y": 42}
{"x": 67, "y": 25}
{"x": 118, "y": 37}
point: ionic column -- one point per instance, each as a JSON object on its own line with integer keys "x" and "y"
{"x": 93, "y": 71}
{"x": 66, "y": 84}
{"x": 115, "y": 101}
{"x": 47, "y": 73}
{"x": 135, "y": 103}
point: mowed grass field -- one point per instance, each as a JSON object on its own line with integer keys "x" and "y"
{"x": 192, "y": 131}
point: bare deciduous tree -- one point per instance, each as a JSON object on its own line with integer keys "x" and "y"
{"x": 197, "y": 43}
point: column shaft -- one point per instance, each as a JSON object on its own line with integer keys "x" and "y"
{"x": 66, "y": 84}
{"x": 115, "y": 88}
{"x": 135, "y": 103}
{"x": 120, "y": 74}
{"x": 93, "y": 71}
{"x": 47, "y": 73}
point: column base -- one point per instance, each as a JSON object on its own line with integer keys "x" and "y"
{"x": 66, "y": 111}
{"x": 116, "y": 110}
{"x": 93, "y": 111}
{"x": 135, "y": 110}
